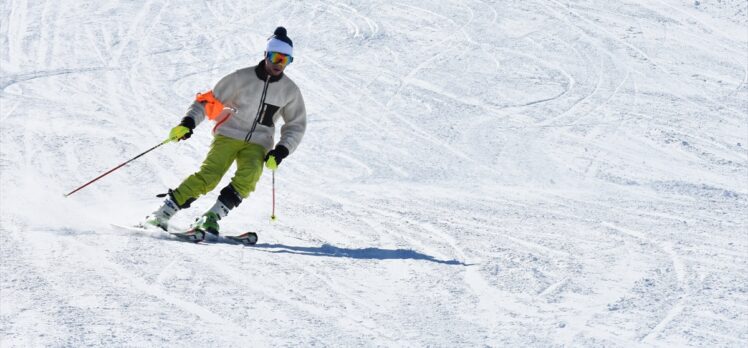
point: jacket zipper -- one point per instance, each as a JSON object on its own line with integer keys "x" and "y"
{"x": 259, "y": 110}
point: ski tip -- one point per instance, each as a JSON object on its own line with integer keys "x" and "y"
{"x": 246, "y": 238}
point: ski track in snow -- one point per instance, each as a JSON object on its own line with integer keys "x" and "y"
{"x": 475, "y": 173}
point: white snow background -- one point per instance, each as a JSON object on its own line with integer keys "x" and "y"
{"x": 474, "y": 173}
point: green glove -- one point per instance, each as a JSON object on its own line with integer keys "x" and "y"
{"x": 271, "y": 163}
{"x": 179, "y": 133}
{"x": 275, "y": 157}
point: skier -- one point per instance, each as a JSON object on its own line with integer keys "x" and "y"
{"x": 245, "y": 105}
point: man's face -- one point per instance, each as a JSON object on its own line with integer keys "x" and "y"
{"x": 275, "y": 63}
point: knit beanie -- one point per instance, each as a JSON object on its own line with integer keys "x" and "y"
{"x": 280, "y": 42}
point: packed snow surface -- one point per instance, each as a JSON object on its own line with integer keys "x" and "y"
{"x": 474, "y": 173}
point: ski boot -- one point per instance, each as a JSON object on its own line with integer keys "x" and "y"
{"x": 208, "y": 223}
{"x": 204, "y": 227}
{"x": 160, "y": 218}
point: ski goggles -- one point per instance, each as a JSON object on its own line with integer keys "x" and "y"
{"x": 279, "y": 58}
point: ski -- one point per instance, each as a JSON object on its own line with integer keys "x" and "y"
{"x": 197, "y": 235}
{"x": 194, "y": 235}
{"x": 247, "y": 238}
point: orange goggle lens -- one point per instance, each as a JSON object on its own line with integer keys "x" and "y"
{"x": 279, "y": 58}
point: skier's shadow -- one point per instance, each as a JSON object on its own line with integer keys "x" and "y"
{"x": 362, "y": 253}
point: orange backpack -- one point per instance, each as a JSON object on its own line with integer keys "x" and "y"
{"x": 213, "y": 106}
{"x": 214, "y": 109}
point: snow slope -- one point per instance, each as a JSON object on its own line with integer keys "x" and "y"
{"x": 475, "y": 173}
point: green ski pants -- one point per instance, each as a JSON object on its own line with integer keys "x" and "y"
{"x": 223, "y": 152}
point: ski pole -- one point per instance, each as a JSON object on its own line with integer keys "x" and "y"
{"x": 117, "y": 167}
{"x": 272, "y": 217}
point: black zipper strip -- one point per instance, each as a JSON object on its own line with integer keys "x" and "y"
{"x": 259, "y": 109}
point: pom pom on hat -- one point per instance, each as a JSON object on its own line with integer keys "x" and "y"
{"x": 280, "y": 31}
{"x": 280, "y": 42}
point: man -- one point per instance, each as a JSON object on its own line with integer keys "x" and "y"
{"x": 245, "y": 105}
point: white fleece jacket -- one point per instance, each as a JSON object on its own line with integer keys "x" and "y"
{"x": 260, "y": 100}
